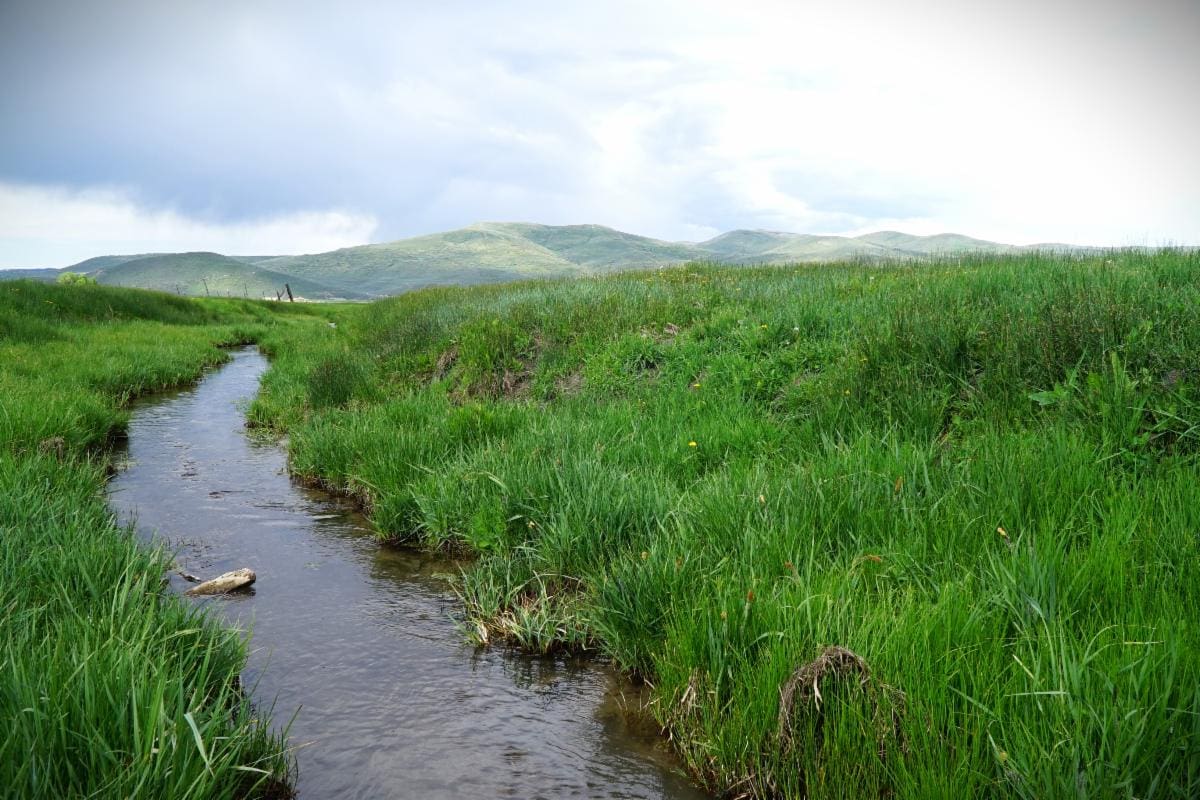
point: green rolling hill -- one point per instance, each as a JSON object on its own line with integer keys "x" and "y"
{"x": 773, "y": 247}
{"x": 494, "y": 252}
{"x": 46, "y": 274}
{"x": 478, "y": 254}
{"x": 205, "y": 274}
{"x": 598, "y": 247}
{"x": 940, "y": 244}
{"x": 498, "y": 251}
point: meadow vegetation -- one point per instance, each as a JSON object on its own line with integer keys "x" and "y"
{"x": 108, "y": 686}
{"x": 915, "y": 530}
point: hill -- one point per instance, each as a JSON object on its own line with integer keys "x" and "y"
{"x": 94, "y": 265}
{"x": 774, "y": 247}
{"x": 499, "y": 251}
{"x": 477, "y": 254}
{"x": 939, "y": 244}
{"x": 48, "y": 275}
{"x": 495, "y": 252}
{"x": 598, "y": 247}
{"x": 203, "y": 274}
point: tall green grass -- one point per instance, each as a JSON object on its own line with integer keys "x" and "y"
{"x": 109, "y": 687}
{"x": 979, "y": 476}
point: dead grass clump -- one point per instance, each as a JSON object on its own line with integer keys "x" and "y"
{"x": 800, "y": 698}
{"x": 445, "y": 362}
{"x": 55, "y": 446}
{"x": 568, "y": 385}
{"x": 514, "y": 385}
{"x": 666, "y": 333}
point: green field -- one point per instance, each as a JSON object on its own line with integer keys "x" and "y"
{"x": 903, "y": 531}
{"x": 912, "y": 531}
{"x": 108, "y": 687}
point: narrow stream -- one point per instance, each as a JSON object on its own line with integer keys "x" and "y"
{"x": 359, "y": 638}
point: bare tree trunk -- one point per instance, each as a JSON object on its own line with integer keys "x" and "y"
{"x": 205, "y": 282}
{"x": 289, "y": 291}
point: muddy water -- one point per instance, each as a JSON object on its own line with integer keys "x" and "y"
{"x": 359, "y": 639}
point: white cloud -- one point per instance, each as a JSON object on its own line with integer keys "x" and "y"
{"x": 1015, "y": 120}
{"x": 52, "y": 227}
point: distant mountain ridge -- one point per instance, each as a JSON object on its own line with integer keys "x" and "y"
{"x": 492, "y": 252}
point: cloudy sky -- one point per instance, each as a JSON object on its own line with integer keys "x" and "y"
{"x": 282, "y": 127}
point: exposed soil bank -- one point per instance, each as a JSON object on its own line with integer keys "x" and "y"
{"x": 359, "y": 639}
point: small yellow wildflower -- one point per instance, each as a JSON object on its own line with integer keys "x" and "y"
{"x": 645, "y": 555}
{"x": 1002, "y": 532}
{"x": 696, "y": 385}
{"x": 691, "y": 444}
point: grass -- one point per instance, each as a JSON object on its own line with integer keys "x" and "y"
{"x": 108, "y": 686}
{"x": 949, "y": 511}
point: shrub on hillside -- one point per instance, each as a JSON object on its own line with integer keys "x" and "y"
{"x": 75, "y": 279}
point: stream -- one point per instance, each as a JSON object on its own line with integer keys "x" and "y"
{"x": 357, "y": 640}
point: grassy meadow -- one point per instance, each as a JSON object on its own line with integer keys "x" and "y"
{"x": 913, "y": 530}
{"x": 109, "y": 687}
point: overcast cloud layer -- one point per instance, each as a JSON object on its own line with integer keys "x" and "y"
{"x": 255, "y": 127}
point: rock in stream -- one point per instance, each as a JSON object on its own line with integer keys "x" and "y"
{"x": 230, "y": 581}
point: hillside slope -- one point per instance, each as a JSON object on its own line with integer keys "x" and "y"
{"x": 491, "y": 252}
{"x": 938, "y": 244}
{"x": 494, "y": 252}
{"x": 209, "y": 274}
{"x": 46, "y": 274}
{"x": 477, "y": 254}
{"x": 598, "y": 247}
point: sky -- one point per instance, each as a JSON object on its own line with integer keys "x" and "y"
{"x": 256, "y": 128}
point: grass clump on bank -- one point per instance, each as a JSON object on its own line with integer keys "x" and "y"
{"x": 108, "y": 687}
{"x": 947, "y": 511}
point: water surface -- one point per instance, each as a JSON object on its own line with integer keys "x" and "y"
{"x": 360, "y": 638}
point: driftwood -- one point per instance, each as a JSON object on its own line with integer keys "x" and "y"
{"x": 230, "y": 581}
